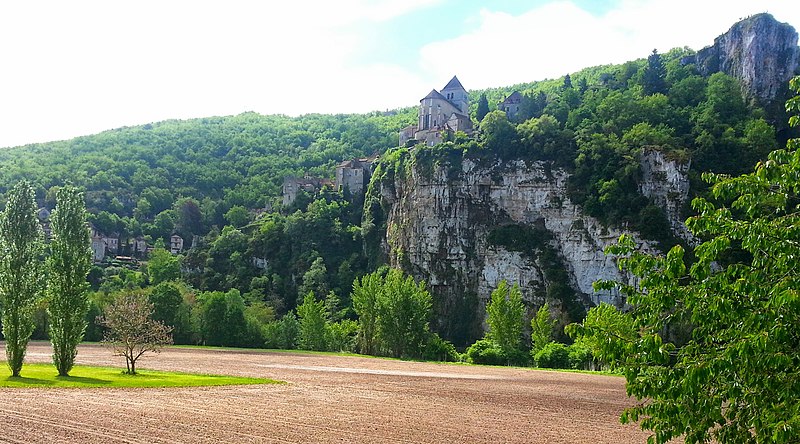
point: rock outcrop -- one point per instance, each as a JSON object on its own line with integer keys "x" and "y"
{"x": 465, "y": 227}
{"x": 760, "y": 52}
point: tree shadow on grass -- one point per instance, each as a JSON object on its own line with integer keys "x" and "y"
{"x": 83, "y": 380}
{"x": 10, "y": 381}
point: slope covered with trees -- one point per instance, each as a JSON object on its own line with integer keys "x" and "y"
{"x": 214, "y": 178}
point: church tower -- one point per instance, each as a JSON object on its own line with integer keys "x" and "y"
{"x": 457, "y": 95}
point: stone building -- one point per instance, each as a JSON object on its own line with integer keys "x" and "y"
{"x": 354, "y": 175}
{"x": 440, "y": 112}
{"x": 292, "y": 185}
{"x": 175, "y": 244}
{"x": 103, "y": 245}
{"x": 511, "y": 105}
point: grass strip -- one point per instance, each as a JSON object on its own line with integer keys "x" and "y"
{"x": 45, "y": 375}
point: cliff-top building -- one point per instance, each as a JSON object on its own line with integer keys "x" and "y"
{"x": 445, "y": 111}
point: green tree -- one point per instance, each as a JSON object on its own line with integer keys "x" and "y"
{"x": 167, "y": 300}
{"x": 735, "y": 379}
{"x": 483, "y": 108}
{"x": 212, "y": 318}
{"x": 312, "y": 316}
{"x": 69, "y": 263}
{"x": 542, "y": 326}
{"x": 237, "y": 216}
{"x": 506, "y": 317}
{"x": 234, "y": 322}
{"x": 365, "y": 296}
{"x": 654, "y": 75}
{"x": 21, "y": 277}
{"x": 403, "y": 312}
{"x": 163, "y": 266}
{"x": 315, "y": 280}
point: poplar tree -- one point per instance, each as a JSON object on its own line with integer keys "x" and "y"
{"x": 69, "y": 263}
{"x": 21, "y": 277}
{"x": 506, "y": 317}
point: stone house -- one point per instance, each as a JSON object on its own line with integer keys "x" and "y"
{"x": 139, "y": 246}
{"x": 440, "y": 112}
{"x": 511, "y": 105}
{"x": 354, "y": 174}
{"x": 293, "y": 185}
{"x": 175, "y": 244}
{"x": 102, "y": 245}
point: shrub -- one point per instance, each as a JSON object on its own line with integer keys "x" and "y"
{"x": 580, "y": 357}
{"x": 438, "y": 349}
{"x": 485, "y": 351}
{"x": 341, "y": 336}
{"x": 553, "y": 355}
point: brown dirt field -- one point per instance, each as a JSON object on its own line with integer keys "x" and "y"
{"x": 327, "y": 399}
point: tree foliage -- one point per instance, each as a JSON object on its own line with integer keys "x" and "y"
{"x": 506, "y": 317}
{"x": 313, "y": 317}
{"x": 735, "y": 379}
{"x": 404, "y": 309}
{"x": 131, "y": 332}
{"x": 483, "y": 108}
{"x": 68, "y": 265}
{"x": 542, "y": 325}
{"x": 21, "y": 271}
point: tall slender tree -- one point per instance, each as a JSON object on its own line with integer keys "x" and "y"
{"x": 69, "y": 263}
{"x": 483, "y": 108}
{"x": 21, "y": 277}
{"x": 506, "y": 317}
{"x": 653, "y": 78}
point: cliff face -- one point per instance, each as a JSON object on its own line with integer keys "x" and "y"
{"x": 465, "y": 227}
{"x": 760, "y": 52}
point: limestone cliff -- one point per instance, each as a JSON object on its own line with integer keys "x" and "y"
{"x": 463, "y": 226}
{"x": 760, "y": 52}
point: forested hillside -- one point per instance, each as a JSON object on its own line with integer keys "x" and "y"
{"x": 212, "y": 179}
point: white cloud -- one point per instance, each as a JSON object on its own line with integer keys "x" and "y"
{"x": 73, "y": 68}
{"x": 559, "y": 37}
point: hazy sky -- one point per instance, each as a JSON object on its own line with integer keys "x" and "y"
{"x": 80, "y": 67}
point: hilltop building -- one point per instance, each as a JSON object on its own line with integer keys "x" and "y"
{"x": 440, "y": 112}
{"x": 511, "y": 105}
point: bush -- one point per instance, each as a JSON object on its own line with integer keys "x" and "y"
{"x": 580, "y": 357}
{"x": 553, "y": 355}
{"x": 437, "y": 349}
{"x": 485, "y": 351}
{"x": 341, "y": 336}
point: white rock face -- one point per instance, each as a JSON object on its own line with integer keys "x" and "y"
{"x": 438, "y": 229}
{"x": 664, "y": 180}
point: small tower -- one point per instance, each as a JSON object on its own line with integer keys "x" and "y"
{"x": 457, "y": 95}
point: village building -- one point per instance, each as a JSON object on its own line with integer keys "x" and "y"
{"x": 511, "y": 105}
{"x": 353, "y": 175}
{"x": 139, "y": 246}
{"x": 102, "y": 245}
{"x": 293, "y": 185}
{"x": 175, "y": 244}
{"x": 440, "y": 113}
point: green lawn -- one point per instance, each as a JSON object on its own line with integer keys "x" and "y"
{"x": 45, "y": 375}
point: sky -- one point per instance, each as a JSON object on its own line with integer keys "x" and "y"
{"x": 80, "y": 67}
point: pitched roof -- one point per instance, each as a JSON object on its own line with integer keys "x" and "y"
{"x": 433, "y": 95}
{"x": 515, "y": 97}
{"x": 453, "y": 84}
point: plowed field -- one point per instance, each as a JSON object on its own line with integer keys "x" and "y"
{"x": 327, "y": 399}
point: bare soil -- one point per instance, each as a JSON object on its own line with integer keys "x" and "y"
{"x": 328, "y": 399}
